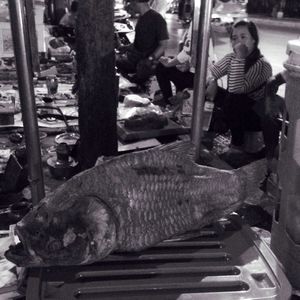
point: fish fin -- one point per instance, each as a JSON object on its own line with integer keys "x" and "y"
{"x": 187, "y": 149}
{"x": 183, "y": 148}
{"x": 254, "y": 173}
{"x": 101, "y": 159}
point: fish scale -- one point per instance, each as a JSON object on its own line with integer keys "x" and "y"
{"x": 129, "y": 203}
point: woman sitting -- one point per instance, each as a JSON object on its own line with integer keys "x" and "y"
{"x": 177, "y": 70}
{"x": 242, "y": 104}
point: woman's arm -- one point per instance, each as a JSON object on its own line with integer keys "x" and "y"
{"x": 220, "y": 68}
{"x": 168, "y": 62}
{"x": 240, "y": 82}
{"x": 217, "y": 70}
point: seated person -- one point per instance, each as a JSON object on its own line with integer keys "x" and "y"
{"x": 274, "y": 107}
{"x": 69, "y": 19}
{"x": 176, "y": 70}
{"x": 151, "y": 36}
{"x": 67, "y": 24}
{"x": 243, "y": 102}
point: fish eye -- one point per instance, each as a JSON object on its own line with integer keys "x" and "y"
{"x": 54, "y": 245}
{"x": 35, "y": 232}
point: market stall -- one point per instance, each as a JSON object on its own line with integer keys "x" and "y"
{"x": 225, "y": 259}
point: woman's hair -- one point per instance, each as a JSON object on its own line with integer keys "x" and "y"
{"x": 251, "y": 27}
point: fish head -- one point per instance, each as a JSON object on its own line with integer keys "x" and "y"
{"x": 81, "y": 233}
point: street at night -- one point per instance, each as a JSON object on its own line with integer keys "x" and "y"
{"x": 134, "y": 164}
{"x": 273, "y": 41}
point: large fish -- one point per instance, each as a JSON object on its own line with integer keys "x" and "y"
{"x": 129, "y": 203}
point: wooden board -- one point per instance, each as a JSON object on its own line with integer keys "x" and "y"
{"x": 137, "y": 145}
{"x": 172, "y": 128}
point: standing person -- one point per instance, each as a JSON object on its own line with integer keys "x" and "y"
{"x": 150, "y": 42}
{"x": 242, "y": 103}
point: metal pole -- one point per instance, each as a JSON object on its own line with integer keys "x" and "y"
{"x": 200, "y": 73}
{"x": 32, "y": 35}
{"x": 26, "y": 91}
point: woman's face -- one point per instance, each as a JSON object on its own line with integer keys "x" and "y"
{"x": 242, "y": 35}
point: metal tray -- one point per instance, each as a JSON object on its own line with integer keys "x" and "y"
{"x": 127, "y": 135}
{"x": 226, "y": 261}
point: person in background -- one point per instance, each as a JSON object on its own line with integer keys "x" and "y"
{"x": 274, "y": 108}
{"x": 180, "y": 9}
{"x": 150, "y": 42}
{"x": 273, "y": 85}
{"x": 185, "y": 10}
{"x": 177, "y": 70}
{"x": 161, "y": 6}
{"x": 67, "y": 25}
{"x": 69, "y": 19}
{"x": 243, "y": 103}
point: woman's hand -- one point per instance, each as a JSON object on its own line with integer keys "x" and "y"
{"x": 164, "y": 61}
{"x": 240, "y": 50}
{"x": 211, "y": 89}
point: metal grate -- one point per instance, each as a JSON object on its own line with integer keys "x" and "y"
{"x": 225, "y": 261}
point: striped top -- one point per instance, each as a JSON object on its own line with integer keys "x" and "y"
{"x": 250, "y": 83}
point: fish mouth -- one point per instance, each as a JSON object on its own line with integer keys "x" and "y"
{"x": 19, "y": 254}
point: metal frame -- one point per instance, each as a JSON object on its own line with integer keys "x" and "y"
{"x": 22, "y": 50}
{"x": 200, "y": 46}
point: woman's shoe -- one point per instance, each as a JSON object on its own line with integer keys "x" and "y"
{"x": 159, "y": 99}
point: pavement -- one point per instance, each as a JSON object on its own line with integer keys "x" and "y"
{"x": 289, "y": 23}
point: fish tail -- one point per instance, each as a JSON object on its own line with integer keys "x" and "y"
{"x": 253, "y": 174}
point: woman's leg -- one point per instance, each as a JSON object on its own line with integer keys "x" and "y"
{"x": 180, "y": 79}
{"x": 127, "y": 62}
{"x": 124, "y": 65}
{"x": 270, "y": 128}
{"x": 218, "y": 123}
{"x": 237, "y": 110}
{"x": 163, "y": 75}
{"x": 228, "y": 114}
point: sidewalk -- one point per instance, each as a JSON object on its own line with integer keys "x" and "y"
{"x": 290, "y": 23}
